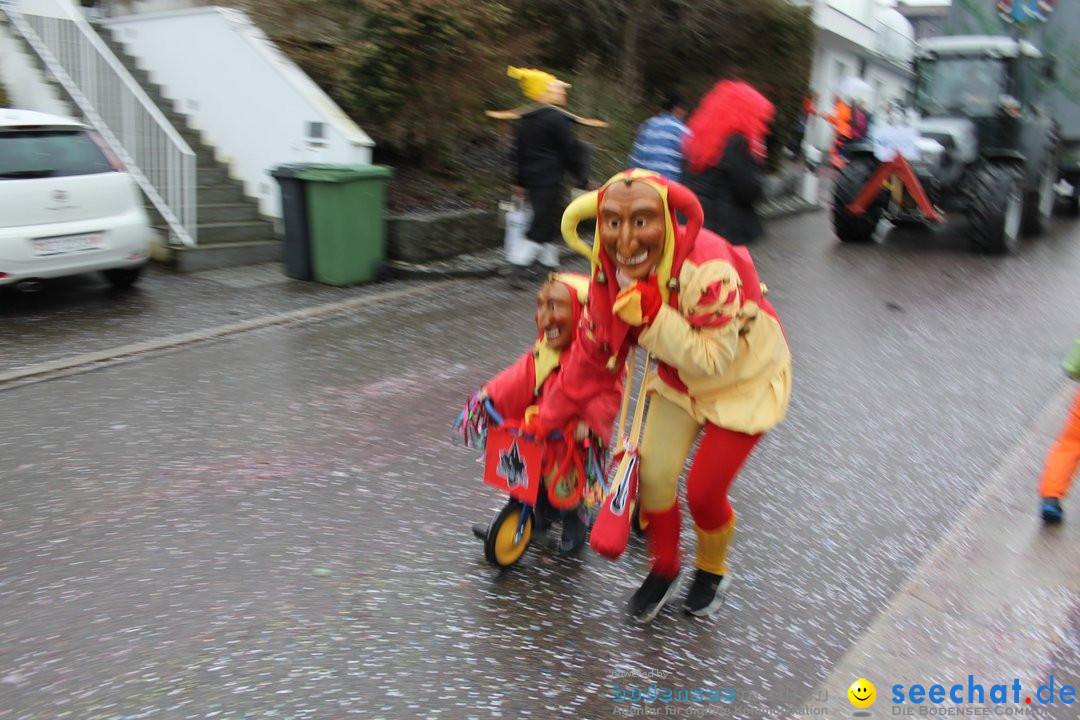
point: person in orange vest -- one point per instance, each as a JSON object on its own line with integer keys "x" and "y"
{"x": 1064, "y": 455}
{"x": 840, "y": 119}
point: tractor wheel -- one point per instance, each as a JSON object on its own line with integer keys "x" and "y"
{"x": 997, "y": 209}
{"x": 1072, "y": 208}
{"x": 850, "y": 227}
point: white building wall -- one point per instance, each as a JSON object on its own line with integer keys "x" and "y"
{"x": 858, "y": 10}
{"x": 251, "y": 103}
{"x": 24, "y": 82}
{"x": 849, "y": 43}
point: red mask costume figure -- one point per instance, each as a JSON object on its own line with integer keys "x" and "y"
{"x": 694, "y": 301}
{"x": 725, "y": 153}
{"x": 559, "y": 307}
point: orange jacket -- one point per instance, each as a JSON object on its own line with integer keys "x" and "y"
{"x": 841, "y": 118}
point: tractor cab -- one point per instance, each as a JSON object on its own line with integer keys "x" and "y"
{"x": 975, "y": 93}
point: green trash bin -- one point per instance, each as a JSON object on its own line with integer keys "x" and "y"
{"x": 345, "y": 206}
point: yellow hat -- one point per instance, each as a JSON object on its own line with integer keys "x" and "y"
{"x": 534, "y": 83}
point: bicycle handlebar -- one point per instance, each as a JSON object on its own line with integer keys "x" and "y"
{"x": 489, "y": 406}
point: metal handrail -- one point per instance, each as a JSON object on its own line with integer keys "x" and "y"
{"x": 158, "y": 158}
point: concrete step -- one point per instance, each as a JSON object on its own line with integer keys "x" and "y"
{"x": 192, "y": 136}
{"x": 226, "y": 192}
{"x": 227, "y": 212}
{"x": 209, "y": 257}
{"x": 218, "y": 196}
{"x": 214, "y": 213}
{"x": 204, "y": 158}
{"x": 214, "y": 175}
{"x": 141, "y": 75}
{"x": 178, "y": 119}
{"x": 223, "y": 233}
{"x": 156, "y": 93}
{"x": 201, "y": 149}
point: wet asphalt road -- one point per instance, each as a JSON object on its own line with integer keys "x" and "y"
{"x": 277, "y": 525}
{"x": 83, "y": 314}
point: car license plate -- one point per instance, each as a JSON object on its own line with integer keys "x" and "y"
{"x": 68, "y": 244}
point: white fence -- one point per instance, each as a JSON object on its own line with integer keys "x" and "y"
{"x": 112, "y": 101}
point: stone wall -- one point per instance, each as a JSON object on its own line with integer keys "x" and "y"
{"x": 424, "y": 237}
{"x": 429, "y": 237}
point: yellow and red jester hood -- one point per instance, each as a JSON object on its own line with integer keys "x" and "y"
{"x": 678, "y": 243}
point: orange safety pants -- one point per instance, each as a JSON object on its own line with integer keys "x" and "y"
{"x": 1063, "y": 457}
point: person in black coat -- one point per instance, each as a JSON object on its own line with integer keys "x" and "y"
{"x": 545, "y": 152}
{"x": 725, "y": 155}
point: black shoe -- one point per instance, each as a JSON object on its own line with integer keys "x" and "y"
{"x": 480, "y": 530}
{"x": 651, "y": 596}
{"x": 573, "y": 534}
{"x": 1051, "y": 511}
{"x": 706, "y": 594}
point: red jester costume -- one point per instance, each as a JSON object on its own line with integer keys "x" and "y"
{"x": 559, "y": 307}
{"x": 693, "y": 301}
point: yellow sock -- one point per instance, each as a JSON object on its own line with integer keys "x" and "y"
{"x": 712, "y": 547}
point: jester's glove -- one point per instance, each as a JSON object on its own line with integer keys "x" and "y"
{"x": 639, "y": 303}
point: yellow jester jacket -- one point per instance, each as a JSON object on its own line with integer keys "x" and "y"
{"x": 723, "y": 355}
{"x": 722, "y": 352}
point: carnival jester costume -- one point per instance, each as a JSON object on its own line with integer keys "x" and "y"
{"x": 694, "y": 301}
{"x": 522, "y": 385}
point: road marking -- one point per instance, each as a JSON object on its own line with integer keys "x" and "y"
{"x": 93, "y": 360}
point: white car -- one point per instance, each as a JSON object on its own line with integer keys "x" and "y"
{"x": 67, "y": 205}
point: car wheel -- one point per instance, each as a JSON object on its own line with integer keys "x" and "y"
{"x": 997, "y": 209}
{"x": 122, "y": 277}
{"x": 848, "y": 226}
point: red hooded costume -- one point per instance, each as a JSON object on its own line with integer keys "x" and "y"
{"x": 724, "y": 372}
{"x": 523, "y": 384}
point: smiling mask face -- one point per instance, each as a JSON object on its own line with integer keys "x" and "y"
{"x": 555, "y": 315}
{"x": 632, "y": 227}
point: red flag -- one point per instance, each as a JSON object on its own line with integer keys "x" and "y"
{"x": 512, "y": 464}
{"x": 611, "y": 530}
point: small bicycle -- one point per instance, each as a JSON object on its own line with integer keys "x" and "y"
{"x": 570, "y": 474}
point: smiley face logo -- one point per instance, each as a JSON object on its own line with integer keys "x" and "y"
{"x": 862, "y": 693}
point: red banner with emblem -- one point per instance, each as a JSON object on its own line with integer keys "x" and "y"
{"x": 513, "y": 464}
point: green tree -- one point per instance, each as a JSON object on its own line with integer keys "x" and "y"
{"x": 654, "y": 47}
{"x": 418, "y": 74}
{"x": 428, "y": 69}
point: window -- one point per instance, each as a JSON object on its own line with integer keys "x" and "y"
{"x": 1025, "y": 71}
{"x": 958, "y": 85}
{"x": 49, "y": 153}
